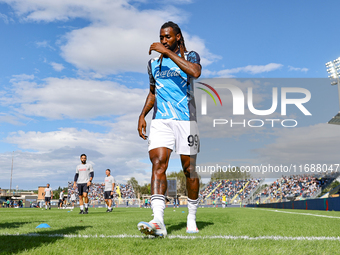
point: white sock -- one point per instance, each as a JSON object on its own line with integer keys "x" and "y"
{"x": 86, "y": 205}
{"x": 109, "y": 208}
{"x": 158, "y": 206}
{"x": 82, "y": 207}
{"x": 46, "y": 206}
{"x": 192, "y": 208}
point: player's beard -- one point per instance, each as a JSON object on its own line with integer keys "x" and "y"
{"x": 174, "y": 47}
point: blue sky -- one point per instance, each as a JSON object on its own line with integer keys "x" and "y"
{"x": 73, "y": 79}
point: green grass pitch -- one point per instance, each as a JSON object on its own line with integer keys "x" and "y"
{"x": 222, "y": 231}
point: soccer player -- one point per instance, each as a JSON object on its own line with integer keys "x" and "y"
{"x": 73, "y": 198}
{"x": 48, "y": 193}
{"x": 173, "y": 124}
{"x": 61, "y": 199}
{"x": 83, "y": 178}
{"x": 109, "y": 188}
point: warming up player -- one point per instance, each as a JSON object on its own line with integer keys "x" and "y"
{"x": 174, "y": 123}
{"x": 83, "y": 178}
{"x": 73, "y": 198}
{"x": 48, "y": 193}
{"x": 61, "y": 199}
{"x": 109, "y": 188}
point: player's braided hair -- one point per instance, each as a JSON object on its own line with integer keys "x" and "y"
{"x": 181, "y": 43}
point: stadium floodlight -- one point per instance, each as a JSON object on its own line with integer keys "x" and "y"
{"x": 334, "y": 73}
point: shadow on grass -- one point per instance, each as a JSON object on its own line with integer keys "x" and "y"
{"x": 25, "y": 242}
{"x": 14, "y": 224}
{"x": 183, "y": 225}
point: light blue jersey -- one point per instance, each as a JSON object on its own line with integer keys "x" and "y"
{"x": 174, "y": 89}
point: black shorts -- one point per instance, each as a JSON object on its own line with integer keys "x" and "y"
{"x": 61, "y": 201}
{"x": 107, "y": 195}
{"x": 83, "y": 188}
{"x": 47, "y": 199}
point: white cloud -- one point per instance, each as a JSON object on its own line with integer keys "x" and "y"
{"x": 52, "y": 156}
{"x": 58, "y": 67}
{"x": 21, "y": 77}
{"x": 7, "y": 118}
{"x": 304, "y": 69}
{"x": 118, "y": 37}
{"x": 197, "y": 44}
{"x": 4, "y": 18}
{"x": 252, "y": 69}
{"x": 72, "y": 98}
{"x": 44, "y": 44}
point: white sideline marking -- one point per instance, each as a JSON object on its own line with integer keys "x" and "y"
{"x": 276, "y": 238}
{"x": 308, "y": 214}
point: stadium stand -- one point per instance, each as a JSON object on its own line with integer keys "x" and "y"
{"x": 286, "y": 188}
{"x": 235, "y": 190}
{"x": 295, "y": 187}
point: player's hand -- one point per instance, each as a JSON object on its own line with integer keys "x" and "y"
{"x": 111, "y": 193}
{"x": 142, "y": 127}
{"x": 88, "y": 184}
{"x": 157, "y": 46}
{"x": 74, "y": 185}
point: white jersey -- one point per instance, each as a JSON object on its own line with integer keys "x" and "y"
{"x": 73, "y": 197}
{"x": 61, "y": 196}
{"x": 109, "y": 180}
{"x": 84, "y": 173}
{"x": 48, "y": 192}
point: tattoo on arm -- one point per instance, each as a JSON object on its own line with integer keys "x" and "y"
{"x": 186, "y": 66}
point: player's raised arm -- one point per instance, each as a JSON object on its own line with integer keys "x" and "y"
{"x": 149, "y": 103}
{"x": 192, "y": 69}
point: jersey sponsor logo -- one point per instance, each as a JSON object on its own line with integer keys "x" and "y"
{"x": 82, "y": 169}
{"x": 172, "y": 72}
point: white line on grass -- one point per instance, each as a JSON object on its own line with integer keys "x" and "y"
{"x": 309, "y": 214}
{"x": 277, "y": 238}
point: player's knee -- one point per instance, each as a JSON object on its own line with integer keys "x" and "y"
{"x": 190, "y": 172}
{"x": 158, "y": 166}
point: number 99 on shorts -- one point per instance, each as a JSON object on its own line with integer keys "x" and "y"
{"x": 193, "y": 140}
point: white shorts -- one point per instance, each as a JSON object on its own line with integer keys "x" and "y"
{"x": 169, "y": 133}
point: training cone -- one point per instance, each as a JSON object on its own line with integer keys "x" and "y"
{"x": 43, "y": 225}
